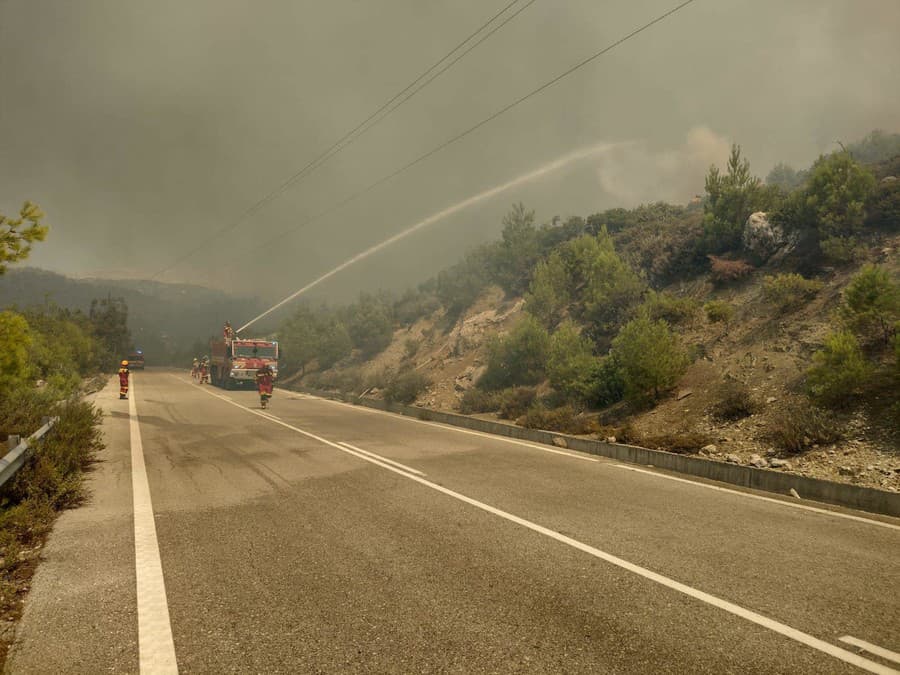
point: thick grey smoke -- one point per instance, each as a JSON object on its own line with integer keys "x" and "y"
{"x": 142, "y": 127}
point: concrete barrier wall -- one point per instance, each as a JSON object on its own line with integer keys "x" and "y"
{"x": 815, "y": 489}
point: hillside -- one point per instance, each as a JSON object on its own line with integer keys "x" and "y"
{"x": 164, "y": 319}
{"x": 767, "y": 353}
{"x": 758, "y": 325}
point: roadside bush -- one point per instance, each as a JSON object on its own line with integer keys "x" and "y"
{"x": 406, "y": 386}
{"x": 651, "y": 358}
{"x": 678, "y": 442}
{"x": 571, "y": 364}
{"x": 608, "y": 383}
{"x": 519, "y": 358}
{"x": 723, "y": 271}
{"x": 789, "y": 291}
{"x": 516, "y": 401}
{"x": 347, "y": 380}
{"x": 798, "y": 427}
{"x": 54, "y": 475}
{"x": 369, "y": 324}
{"x": 839, "y": 370}
{"x": 334, "y": 345}
{"x": 479, "y": 401}
{"x": 670, "y": 308}
{"x": 719, "y": 311}
{"x": 564, "y": 419}
{"x": 378, "y": 378}
{"x": 735, "y": 402}
{"x": 15, "y": 340}
{"x": 871, "y": 306}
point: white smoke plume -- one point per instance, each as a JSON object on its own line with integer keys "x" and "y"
{"x": 635, "y": 173}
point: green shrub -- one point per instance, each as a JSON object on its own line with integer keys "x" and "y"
{"x": 719, "y": 311}
{"x": 406, "y": 386}
{"x": 836, "y": 194}
{"x": 789, "y": 291}
{"x": 571, "y": 365}
{"x": 841, "y": 250}
{"x": 799, "y": 427}
{"x": 731, "y": 198}
{"x": 15, "y": 340}
{"x": 734, "y": 402}
{"x": 871, "y": 306}
{"x": 608, "y": 383}
{"x": 670, "y": 308}
{"x": 334, "y": 345}
{"x": 651, "y": 358}
{"x": 549, "y": 293}
{"x": 839, "y": 370}
{"x": 369, "y": 324}
{"x": 378, "y": 378}
{"x": 515, "y": 401}
{"x": 665, "y": 242}
{"x": 564, "y": 419}
{"x": 410, "y": 347}
{"x": 519, "y": 358}
{"x": 479, "y": 401}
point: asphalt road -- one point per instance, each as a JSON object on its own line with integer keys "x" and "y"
{"x": 320, "y": 537}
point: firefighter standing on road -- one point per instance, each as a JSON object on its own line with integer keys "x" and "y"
{"x": 265, "y": 377}
{"x": 123, "y": 380}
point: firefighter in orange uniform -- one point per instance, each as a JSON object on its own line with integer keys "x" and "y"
{"x": 265, "y": 377}
{"x": 123, "y": 380}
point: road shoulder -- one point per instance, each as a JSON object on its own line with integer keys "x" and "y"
{"x": 81, "y": 612}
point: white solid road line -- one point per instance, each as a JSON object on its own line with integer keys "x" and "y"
{"x": 156, "y": 649}
{"x": 447, "y": 427}
{"x": 749, "y": 615}
{"x": 803, "y": 507}
{"x": 870, "y": 521}
{"x": 383, "y": 459}
{"x": 872, "y": 649}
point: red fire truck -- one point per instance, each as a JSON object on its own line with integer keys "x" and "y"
{"x": 234, "y": 362}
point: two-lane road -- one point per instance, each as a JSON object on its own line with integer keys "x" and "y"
{"x": 320, "y": 537}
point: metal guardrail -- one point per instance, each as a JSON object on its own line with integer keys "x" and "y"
{"x": 21, "y": 450}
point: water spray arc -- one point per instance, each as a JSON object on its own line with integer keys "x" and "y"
{"x": 550, "y": 167}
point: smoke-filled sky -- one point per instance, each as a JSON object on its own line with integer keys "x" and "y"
{"x": 142, "y": 128}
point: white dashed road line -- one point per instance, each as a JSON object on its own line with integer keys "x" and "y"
{"x": 156, "y": 648}
{"x": 736, "y": 610}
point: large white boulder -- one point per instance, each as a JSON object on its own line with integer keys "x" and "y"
{"x": 761, "y": 237}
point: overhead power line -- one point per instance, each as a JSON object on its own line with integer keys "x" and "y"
{"x": 475, "y": 127}
{"x": 371, "y": 121}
